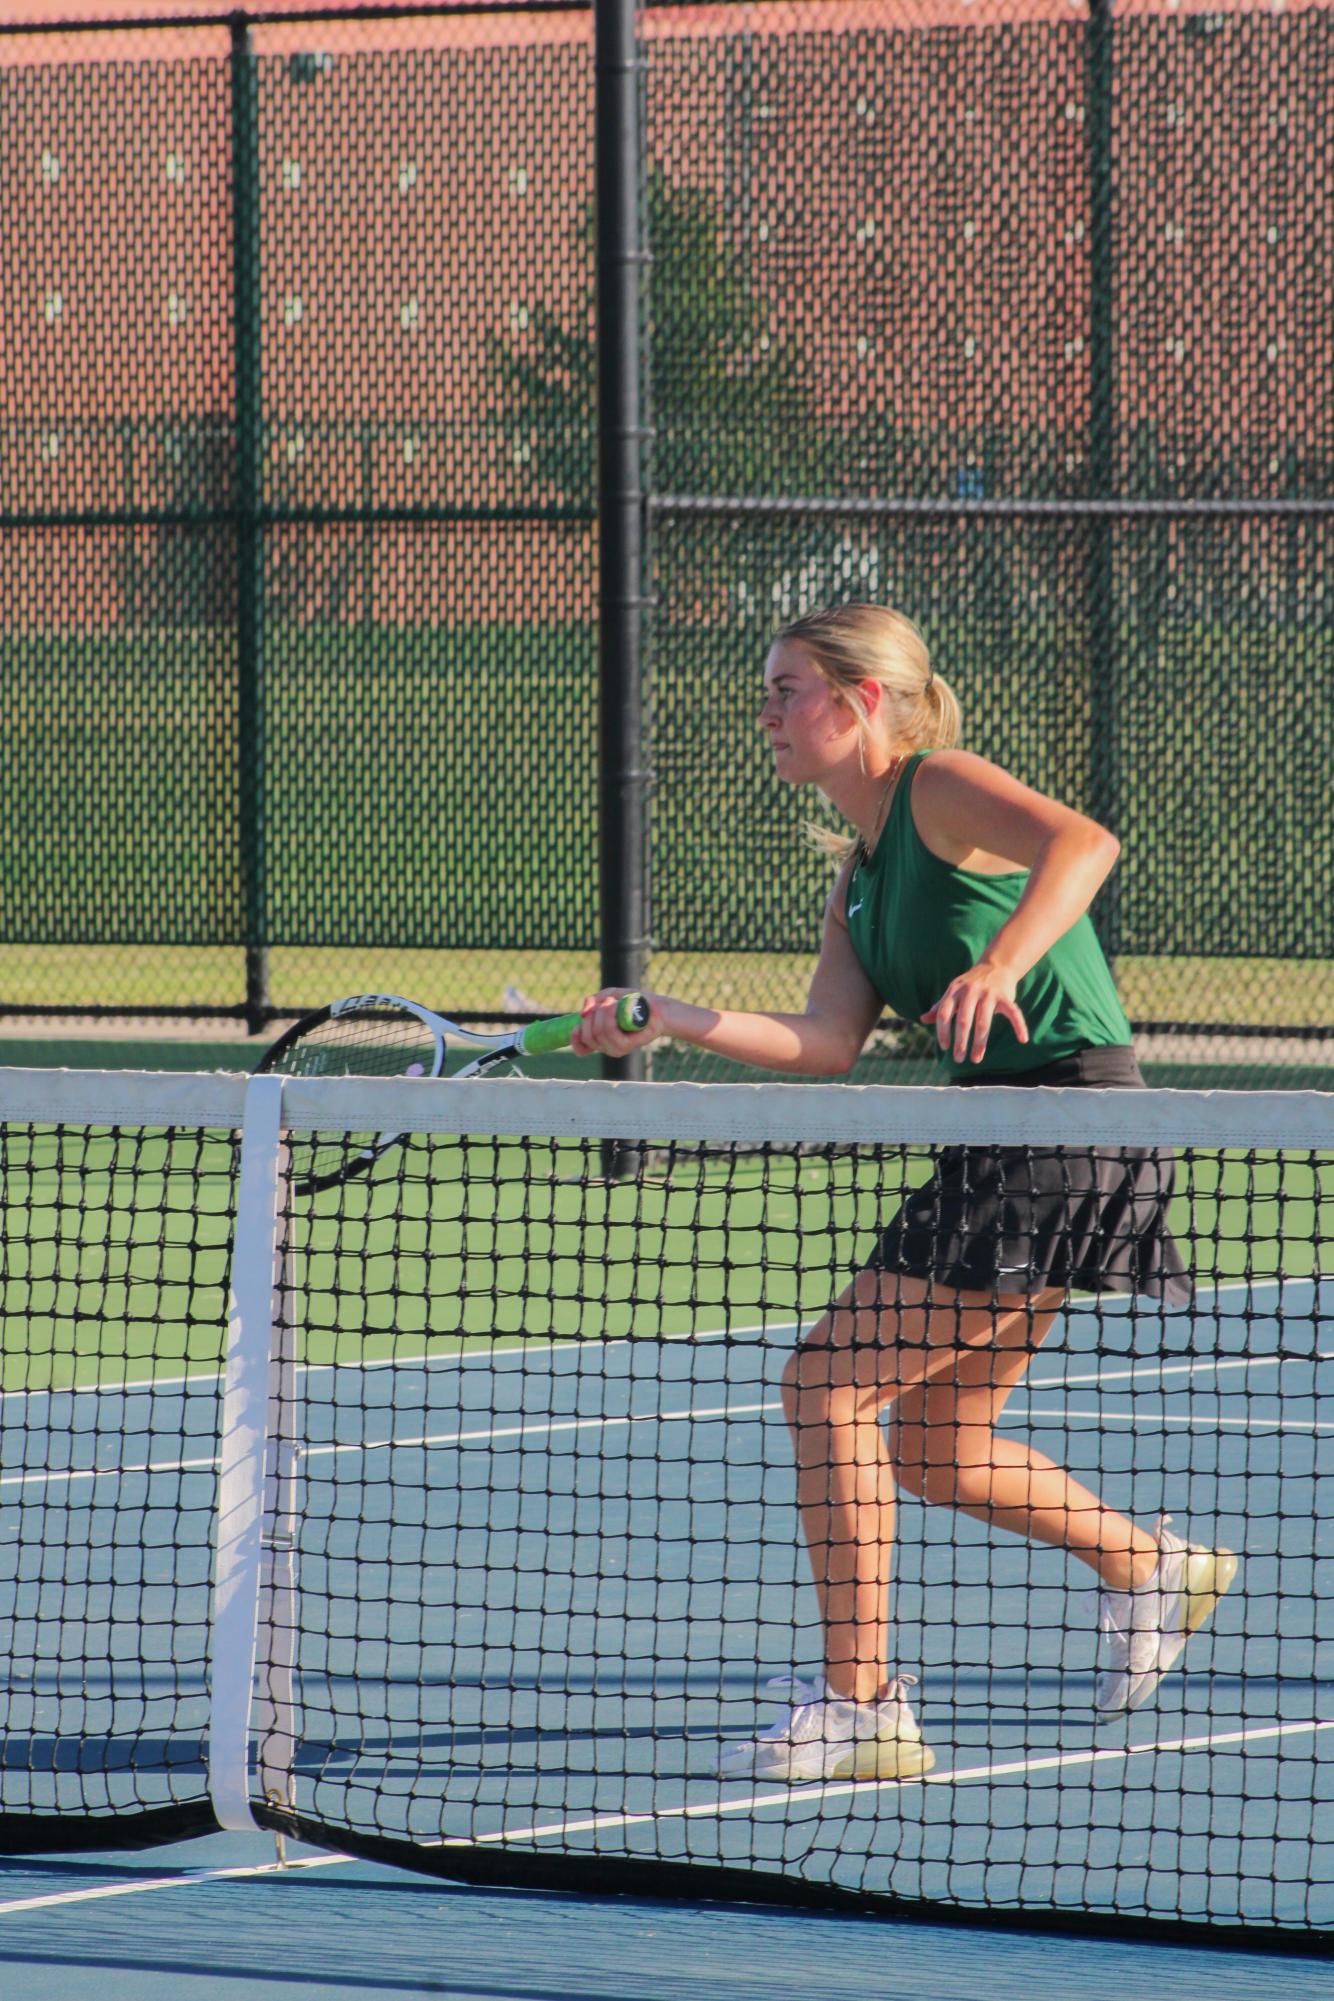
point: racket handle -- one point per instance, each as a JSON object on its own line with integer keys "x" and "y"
{"x": 541, "y": 1037}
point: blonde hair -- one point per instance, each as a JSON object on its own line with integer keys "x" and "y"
{"x": 851, "y": 643}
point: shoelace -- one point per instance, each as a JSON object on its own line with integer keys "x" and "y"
{"x": 792, "y": 1684}
{"x": 808, "y": 1693}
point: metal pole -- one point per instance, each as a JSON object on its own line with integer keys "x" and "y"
{"x": 1099, "y": 575}
{"x": 129, "y": 573}
{"x": 247, "y": 479}
{"x": 366, "y": 436}
{"x": 618, "y": 155}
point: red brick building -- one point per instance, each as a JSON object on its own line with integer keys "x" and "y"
{"x": 909, "y": 180}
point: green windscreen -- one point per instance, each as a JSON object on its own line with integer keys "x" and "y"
{"x": 1013, "y": 316}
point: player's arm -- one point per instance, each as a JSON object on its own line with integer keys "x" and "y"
{"x": 962, "y": 804}
{"x": 842, "y": 1008}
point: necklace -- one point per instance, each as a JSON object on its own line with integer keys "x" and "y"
{"x": 885, "y": 797}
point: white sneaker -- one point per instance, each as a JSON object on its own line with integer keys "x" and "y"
{"x": 826, "y": 1736}
{"x": 1147, "y": 1628}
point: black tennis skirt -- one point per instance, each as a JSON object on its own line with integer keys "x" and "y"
{"x": 1018, "y": 1220}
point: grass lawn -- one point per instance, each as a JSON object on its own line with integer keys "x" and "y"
{"x": 430, "y": 789}
{"x": 428, "y": 785}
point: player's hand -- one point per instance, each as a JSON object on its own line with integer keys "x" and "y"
{"x": 600, "y": 1034}
{"x": 965, "y": 1012}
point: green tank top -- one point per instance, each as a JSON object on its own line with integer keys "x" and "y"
{"x": 917, "y": 922}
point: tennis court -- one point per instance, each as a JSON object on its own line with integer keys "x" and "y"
{"x": 593, "y": 1760}
{"x": 214, "y": 1919}
{"x": 554, "y": 1707}
{"x": 416, "y": 425}
{"x": 525, "y": 1582}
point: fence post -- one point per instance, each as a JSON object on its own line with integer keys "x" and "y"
{"x": 1099, "y": 573}
{"x": 366, "y": 444}
{"x": 129, "y": 579}
{"x": 247, "y": 481}
{"x": 618, "y": 168}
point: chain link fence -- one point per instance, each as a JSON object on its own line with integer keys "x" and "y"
{"x": 1015, "y": 316}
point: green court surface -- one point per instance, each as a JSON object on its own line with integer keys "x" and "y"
{"x": 118, "y": 1244}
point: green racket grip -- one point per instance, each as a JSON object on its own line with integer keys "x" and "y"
{"x": 541, "y": 1037}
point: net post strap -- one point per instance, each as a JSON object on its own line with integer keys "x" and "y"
{"x": 278, "y": 1611}
{"x": 247, "y": 1386}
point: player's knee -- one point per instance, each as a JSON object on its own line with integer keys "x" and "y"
{"x": 817, "y": 1385}
{"x": 807, "y": 1375}
{"x": 911, "y": 1469}
{"x": 959, "y": 1481}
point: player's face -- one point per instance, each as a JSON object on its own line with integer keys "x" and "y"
{"x": 812, "y": 733}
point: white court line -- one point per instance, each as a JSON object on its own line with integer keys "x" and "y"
{"x": 55, "y": 1476}
{"x": 543, "y": 1428}
{"x": 969, "y": 1775}
{"x": 1081, "y": 1303}
{"x": 1123, "y": 1303}
{"x": 536, "y": 1428}
{"x": 184, "y": 1881}
{"x": 500, "y": 1345}
{"x": 548, "y": 1427}
{"x": 1166, "y": 1421}
{"x": 1201, "y": 1365}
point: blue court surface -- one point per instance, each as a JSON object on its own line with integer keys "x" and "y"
{"x": 212, "y": 1921}
{"x": 540, "y": 1582}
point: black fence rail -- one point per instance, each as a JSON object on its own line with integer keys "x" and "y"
{"x": 338, "y": 635}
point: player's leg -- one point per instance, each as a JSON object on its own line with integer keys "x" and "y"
{"x": 1157, "y": 1588}
{"x": 888, "y": 1335}
{"x": 888, "y": 1338}
{"x": 944, "y": 1447}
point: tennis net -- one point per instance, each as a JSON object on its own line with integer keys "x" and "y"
{"x": 467, "y": 1535}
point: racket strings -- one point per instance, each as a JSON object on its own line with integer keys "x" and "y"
{"x": 359, "y": 1042}
{"x": 379, "y": 1042}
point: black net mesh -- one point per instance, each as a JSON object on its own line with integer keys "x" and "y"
{"x": 114, "y": 1258}
{"x": 540, "y": 1526}
{"x": 548, "y": 1552}
{"x": 298, "y": 433}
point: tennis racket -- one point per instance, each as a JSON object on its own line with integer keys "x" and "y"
{"x": 383, "y": 1035}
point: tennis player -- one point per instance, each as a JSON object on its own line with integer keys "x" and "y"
{"x": 961, "y": 900}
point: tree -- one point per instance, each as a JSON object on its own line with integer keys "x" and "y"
{"x": 726, "y": 394}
